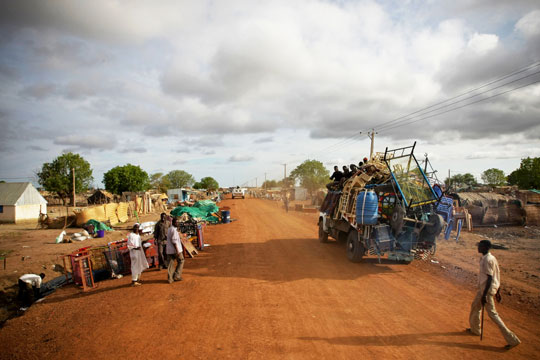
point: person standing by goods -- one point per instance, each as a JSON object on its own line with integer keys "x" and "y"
{"x": 160, "y": 235}
{"x": 488, "y": 289}
{"x": 136, "y": 254}
{"x": 286, "y": 201}
{"x": 174, "y": 253}
{"x": 29, "y": 288}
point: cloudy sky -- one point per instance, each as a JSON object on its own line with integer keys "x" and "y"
{"x": 235, "y": 89}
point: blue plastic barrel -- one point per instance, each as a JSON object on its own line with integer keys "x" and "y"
{"x": 225, "y": 216}
{"x": 367, "y": 208}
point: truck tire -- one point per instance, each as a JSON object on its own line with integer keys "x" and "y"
{"x": 355, "y": 249}
{"x": 323, "y": 235}
{"x": 342, "y": 236}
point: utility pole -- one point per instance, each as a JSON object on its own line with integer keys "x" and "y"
{"x": 371, "y": 135}
{"x": 73, "y": 174}
{"x": 256, "y": 186}
{"x": 265, "y": 181}
{"x": 284, "y": 173}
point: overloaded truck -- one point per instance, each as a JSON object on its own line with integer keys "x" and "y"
{"x": 388, "y": 206}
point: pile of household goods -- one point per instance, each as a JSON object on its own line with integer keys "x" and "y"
{"x": 204, "y": 211}
{"x": 92, "y": 228}
{"x": 88, "y": 265}
{"x": 389, "y": 205}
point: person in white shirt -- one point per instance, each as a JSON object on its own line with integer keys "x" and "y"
{"x": 174, "y": 252}
{"x": 488, "y": 288}
{"x": 137, "y": 256}
{"x": 29, "y": 288}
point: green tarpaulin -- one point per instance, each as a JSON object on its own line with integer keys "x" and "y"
{"x": 98, "y": 225}
{"x": 202, "y": 209}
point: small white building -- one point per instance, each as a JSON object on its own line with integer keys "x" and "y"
{"x": 175, "y": 195}
{"x": 300, "y": 193}
{"x": 20, "y": 202}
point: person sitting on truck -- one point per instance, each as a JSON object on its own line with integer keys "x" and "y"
{"x": 346, "y": 172}
{"x": 337, "y": 175}
{"x": 353, "y": 168}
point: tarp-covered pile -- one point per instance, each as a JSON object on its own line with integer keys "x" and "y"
{"x": 204, "y": 209}
{"x": 492, "y": 208}
{"x": 98, "y": 225}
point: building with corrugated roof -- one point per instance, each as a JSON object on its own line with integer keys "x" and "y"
{"x": 20, "y": 202}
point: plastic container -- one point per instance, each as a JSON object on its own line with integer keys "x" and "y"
{"x": 367, "y": 204}
{"x": 100, "y": 233}
{"x": 225, "y": 216}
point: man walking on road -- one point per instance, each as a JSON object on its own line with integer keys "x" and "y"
{"x": 160, "y": 234}
{"x": 174, "y": 252}
{"x": 488, "y": 288}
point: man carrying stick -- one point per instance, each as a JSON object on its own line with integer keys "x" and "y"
{"x": 488, "y": 288}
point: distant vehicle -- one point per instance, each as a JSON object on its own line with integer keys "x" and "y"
{"x": 387, "y": 206}
{"x": 239, "y": 193}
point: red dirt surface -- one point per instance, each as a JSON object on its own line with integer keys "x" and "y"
{"x": 264, "y": 289}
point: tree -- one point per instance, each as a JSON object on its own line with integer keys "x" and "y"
{"x": 528, "y": 174}
{"x": 493, "y": 177}
{"x": 208, "y": 183}
{"x": 461, "y": 180}
{"x": 160, "y": 182}
{"x": 179, "y": 179}
{"x": 57, "y": 176}
{"x": 287, "y": 182}
{"x": 268, "y": 184}
{"x": 312, "y": 175}
{"x": 126, "y": 178}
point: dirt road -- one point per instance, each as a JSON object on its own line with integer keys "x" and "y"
{"x": 265, "y": 289}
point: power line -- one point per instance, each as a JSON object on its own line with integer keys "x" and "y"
{"x": 460, "y": 107}
{"x": 17, "y": 178}
{"x": 456, "y": 102}
{"x": 528, "y": 67}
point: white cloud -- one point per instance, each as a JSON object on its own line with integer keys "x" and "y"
{"x": 483, "y": 43}
{"x": 241, "y": 158}
{"x": 90, "y": 142}
{"x": 529, "y": 25}
{"x": 242, "y": 80}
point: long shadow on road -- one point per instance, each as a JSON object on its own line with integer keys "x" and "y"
{"x": 282, "y": 260}
{"x": 75, "y": 293}
{"x": 406, "y": 340}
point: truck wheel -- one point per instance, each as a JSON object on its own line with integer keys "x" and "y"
{"x": 342, "y": 237}
{"x": 355, "y": 249}
{"x": 323, "y": 235}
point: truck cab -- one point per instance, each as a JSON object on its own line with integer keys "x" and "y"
{"x": 239, "y": 193}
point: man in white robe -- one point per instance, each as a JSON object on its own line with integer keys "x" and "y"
{"x": 137, "y": 256}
